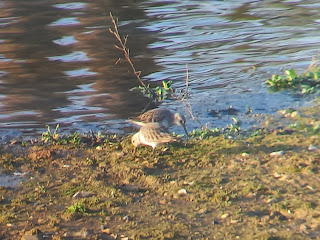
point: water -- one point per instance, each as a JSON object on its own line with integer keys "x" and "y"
{"x": 57, "y": 59}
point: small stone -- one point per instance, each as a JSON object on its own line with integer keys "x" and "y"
{"x": 81, "y": 194}
{"x": 234, "y": 221}
{"x": 182, "y": 192}
{"x": 245, "y": 154}
{"x": 278, "y": 153}
{"x": 272, "y": 200}
{"x": 188, "y": 183}
{"x": 312, "y": 148}
{"x": 225, "y": 215}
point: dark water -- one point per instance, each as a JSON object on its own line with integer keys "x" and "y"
{"x": 57, "y": 58}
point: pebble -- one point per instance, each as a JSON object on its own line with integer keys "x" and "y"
{"x": 234, "y": 221}
{"x": 312, "y": 148}
{"x": 188, "y": 183}
{"x": 182, "y": 192}
{"x": 245, "y": 154}
{"x": 278, "y": 153}
{"x": 272, "y": 200}
{"x": 81, "y": 194}
{"x": 225, "y": 215}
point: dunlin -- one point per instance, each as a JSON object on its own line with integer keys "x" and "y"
{"x": 151, "y": 134}
{"x": 164, "y": 117}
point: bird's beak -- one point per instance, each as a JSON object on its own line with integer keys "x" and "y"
{"x": 185, "y": 129}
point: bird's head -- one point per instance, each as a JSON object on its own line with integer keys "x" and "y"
{"x": 135, "y": 140}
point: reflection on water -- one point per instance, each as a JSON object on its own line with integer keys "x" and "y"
{"x": 57, "y": 58}
{"x": 58, "y": 66}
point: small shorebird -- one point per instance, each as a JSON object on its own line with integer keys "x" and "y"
{"x": 164, "y": 117}
{"x": 151, "y": 134}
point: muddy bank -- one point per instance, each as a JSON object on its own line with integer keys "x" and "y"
{"x": 262, "y": 185}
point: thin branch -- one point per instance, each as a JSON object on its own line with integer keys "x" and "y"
{"x": 126, "y": 53}
{"x": 185, "y": 97}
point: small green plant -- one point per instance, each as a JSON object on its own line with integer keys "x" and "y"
{"x": 162, "y": 92}
{"x": 165, "y": 91}
{"x": 77, "y": 208}
{"x": 258, "y": 132}
{"x": 75, "y": 139}
{"x": 204, "y": 133}
{"x": 48, "y": 136}
{"x": 306, "y": 83}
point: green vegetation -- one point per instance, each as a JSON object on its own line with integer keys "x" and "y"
{"x": 305, "y": 83}
{"x": 209, "y": 186}
{"x": 162, "y": 92}
{"x": 48, "y": 136}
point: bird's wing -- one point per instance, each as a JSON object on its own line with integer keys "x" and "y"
{"x": 155, "y": 133}
{"x": 155, "y": 115}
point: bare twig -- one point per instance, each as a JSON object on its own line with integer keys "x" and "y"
{"x": 185, "y": 97}
{"x": 122, "y": 47}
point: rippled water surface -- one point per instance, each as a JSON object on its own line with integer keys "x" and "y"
{"x": 57, "y": 58}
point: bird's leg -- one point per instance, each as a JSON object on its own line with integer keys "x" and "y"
{"x": 134, "y": 150}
